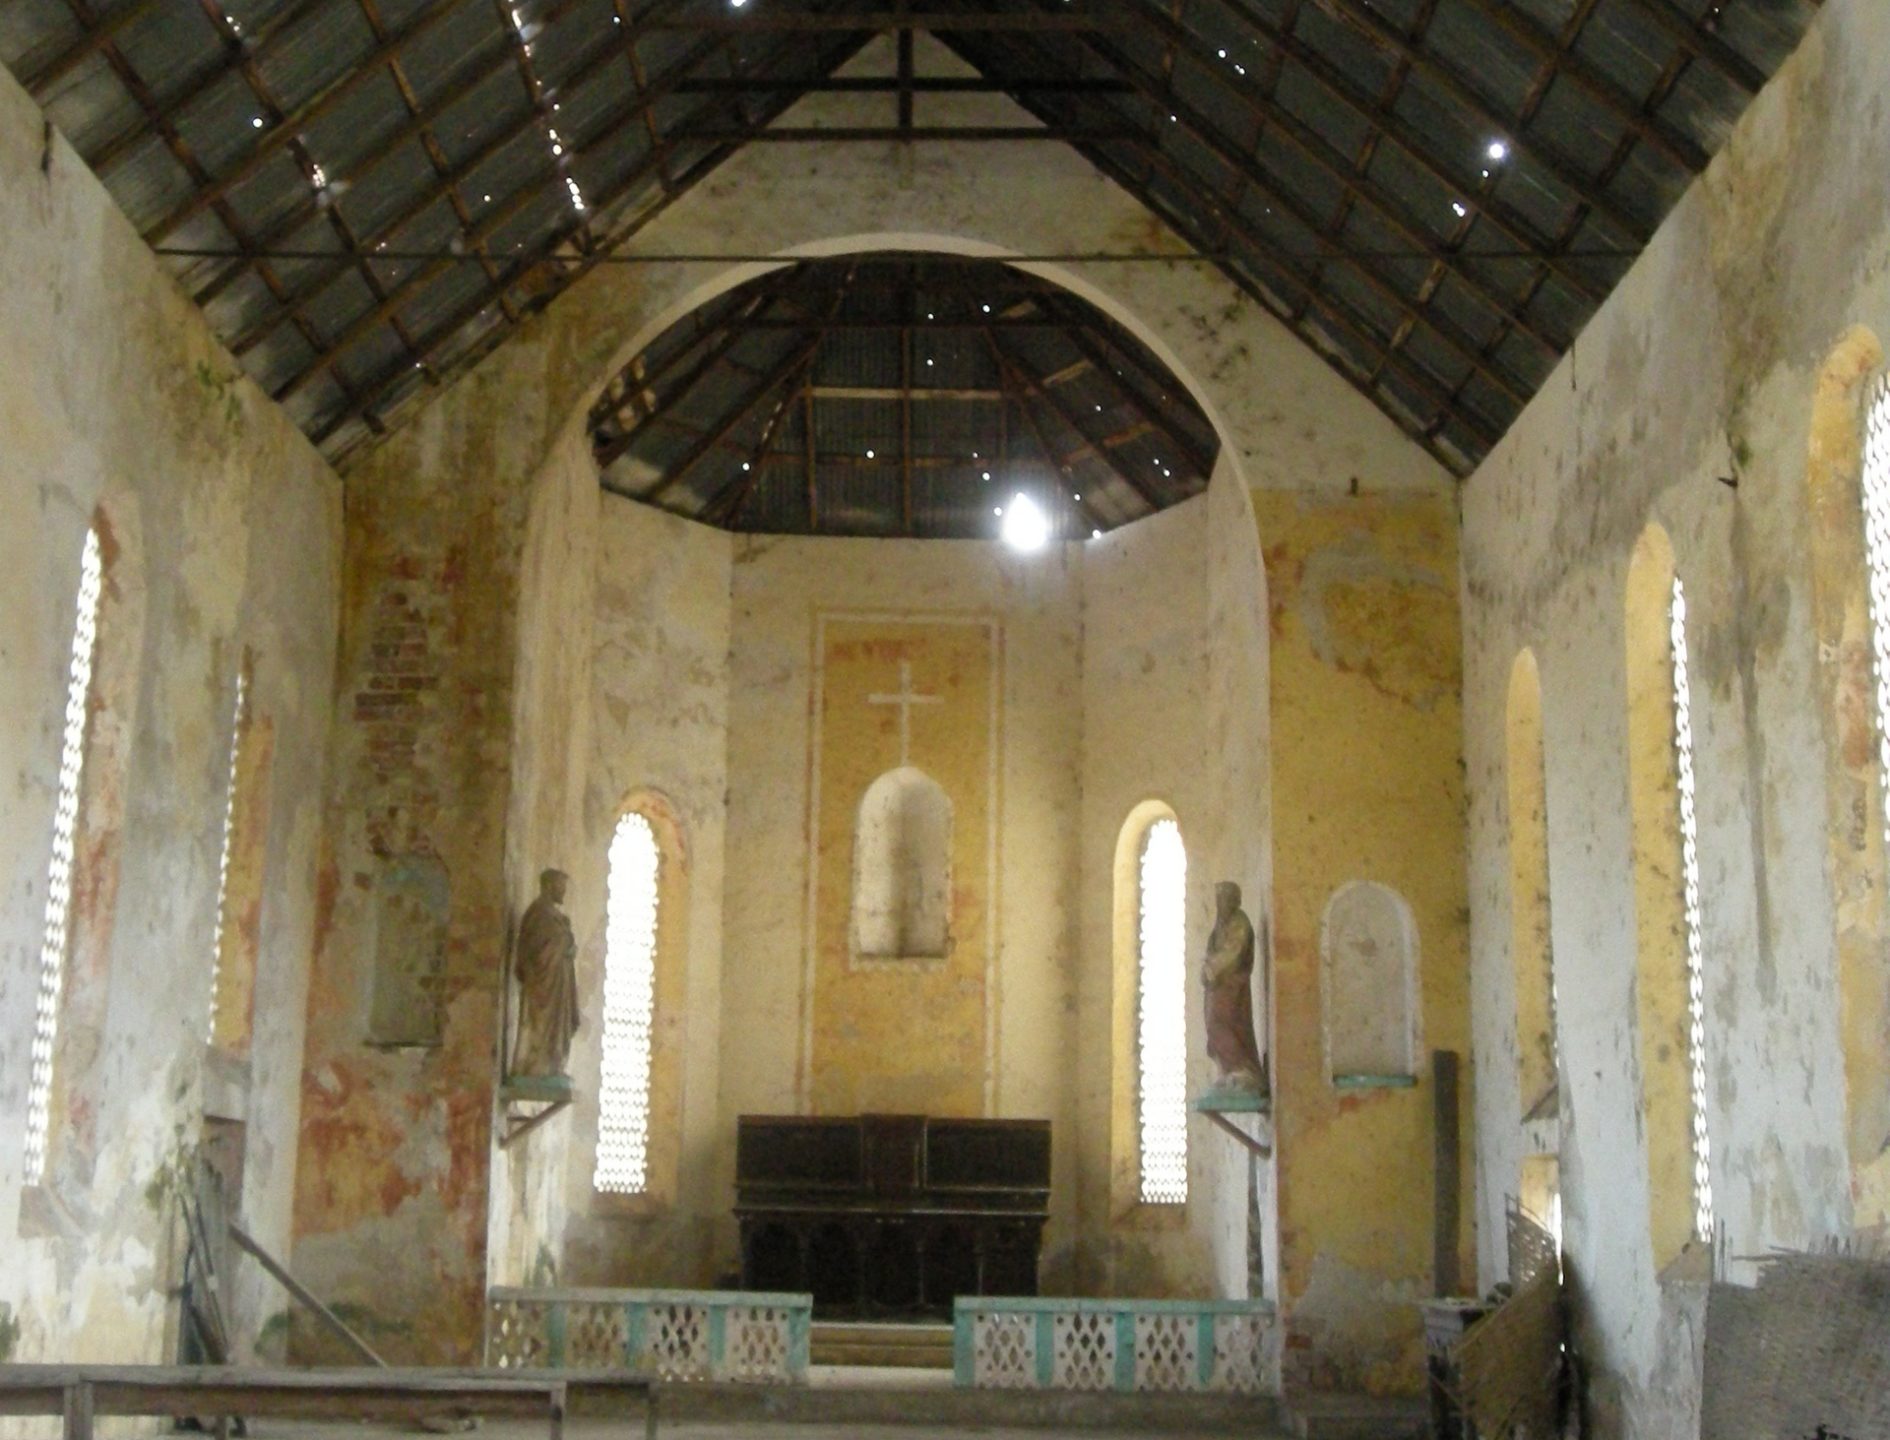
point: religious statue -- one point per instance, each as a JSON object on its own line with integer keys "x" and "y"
{"x": 1227, "y": 980}
{"x": 545, "y": 962}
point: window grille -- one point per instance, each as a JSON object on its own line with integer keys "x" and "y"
{"x": 623, "y": 1092}
{"x": 53, "y": 945}
{"x": 223, "y": 859}
{"x": 1876, "y": 491}
{"x": 1161, "y": 1016}
{"x": 1696, "y": 968}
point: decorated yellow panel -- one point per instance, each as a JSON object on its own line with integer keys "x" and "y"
{"x": 904, "y": 769}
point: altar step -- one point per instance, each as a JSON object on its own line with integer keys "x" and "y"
{"x": 882, "y": 1346}
{"x": 841, "y": 1401}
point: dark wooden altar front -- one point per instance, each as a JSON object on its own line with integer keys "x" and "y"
{"x": 891, "y": 1215}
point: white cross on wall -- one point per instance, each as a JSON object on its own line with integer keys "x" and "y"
{"x": 905, "y": 699}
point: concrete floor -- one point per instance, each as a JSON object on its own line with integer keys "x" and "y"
{"x": 631, "y": 1428}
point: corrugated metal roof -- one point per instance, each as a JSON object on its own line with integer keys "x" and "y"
{"x": 367, "y": 194}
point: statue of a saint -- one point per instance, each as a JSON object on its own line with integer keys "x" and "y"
{"x": 1227, "y": 980}
{"x": 545, "y": 962}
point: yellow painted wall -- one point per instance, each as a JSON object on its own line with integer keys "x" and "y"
{"x": 1367, "y": 785}
{"x": 906, "y": 1035}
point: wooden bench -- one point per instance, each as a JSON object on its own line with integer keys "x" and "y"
{"x": 81, "y": 1392}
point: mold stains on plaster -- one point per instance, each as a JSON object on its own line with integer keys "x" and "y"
{"x": 1367, "y": 785}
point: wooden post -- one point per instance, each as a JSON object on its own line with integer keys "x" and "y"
{"x": 1448, "y": 1202}
{"x": 78, "y": 1412}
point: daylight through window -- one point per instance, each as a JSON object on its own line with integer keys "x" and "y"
{"x": 52, "y": 951}
{"x": 1876, "y": 490}
{"x": 623, "y": 1119}
{"x": 1696, "y": 972}
{"x": 1162, "y": 1052}
{"x": 229, "y": 831}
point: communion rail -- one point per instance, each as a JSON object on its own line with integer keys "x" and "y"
{"x": 753, "y": 1337}
{"x": 1206, "y": 1346}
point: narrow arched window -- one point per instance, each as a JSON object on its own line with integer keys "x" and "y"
{"x": 222, "y": 956}
{"x": 630, "y": 929}
{"x": 1848, "y": 499}
{"x": 1530, "y": 952}
{"x": 56, "y": 934}
{"x": 1876, "y": 502}
{"x": 1161, "y": 1015}
{"x": 1670, "y": 974}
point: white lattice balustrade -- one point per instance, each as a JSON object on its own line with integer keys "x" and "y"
{"x": 672, "y": 1335}
{"x": 1206, "y": 1346}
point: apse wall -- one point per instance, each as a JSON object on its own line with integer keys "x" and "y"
{"x": 220, "y": 532}
{"x": 1688, "y": 402}
{"x": 439, "y": 519}
{"x": 992, "y": 643}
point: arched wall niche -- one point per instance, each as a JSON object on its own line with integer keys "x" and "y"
{"x": 1854, "y": 777}
{"x": 902, "y": 869}
{"x": 1368, "y": 943}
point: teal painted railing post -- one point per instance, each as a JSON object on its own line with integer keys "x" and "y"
{"x": 1204, "y": 1349}
{"x": 963, "y": 1320}
{"x": 554, "y": 1333}
{"x": 1046, "y": 1340}
{"x": 718, "y": 1342}
{"x": 636, "y": 1317}
{"x": 1125, "y": 1350}
{"x": 799, "y": 1342}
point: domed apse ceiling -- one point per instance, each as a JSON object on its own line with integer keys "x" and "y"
{"x": 366, "y": 196}
{"x": 900, "y": 394}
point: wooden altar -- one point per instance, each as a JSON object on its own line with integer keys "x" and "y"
{"x": 891, "y": 1215}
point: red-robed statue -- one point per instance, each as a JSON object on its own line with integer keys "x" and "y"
{"x": 545, "y": 962}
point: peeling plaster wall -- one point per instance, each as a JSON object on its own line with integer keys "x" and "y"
{"x": 438, "y": 517}
{"x": 1161, "y": 719}
{"x": 223, "y": 531}
{"x": 1700, "y": 369}
{"x": 1367, "y": 785}
{"x": 658, "y": 724}
{"x": 781, "y": 586}
{"x": 545, "y": 829}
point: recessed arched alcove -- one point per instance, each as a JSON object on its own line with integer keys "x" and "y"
{"x": 900, "y": 393}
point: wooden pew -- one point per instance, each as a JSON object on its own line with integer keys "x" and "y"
{"x": 80, "y": 1393}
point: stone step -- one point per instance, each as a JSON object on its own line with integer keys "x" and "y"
{"x": 841, "y": 1398}
{"x": 916, "y": 1346}
{"x": 1356, "y": 1417}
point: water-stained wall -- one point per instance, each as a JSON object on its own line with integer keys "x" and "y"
{"x": 1367, "y": 787}
{"x": 1702, "y": 397}
{"x": 399, "y": 1169}
{"x": 220, "y": 529}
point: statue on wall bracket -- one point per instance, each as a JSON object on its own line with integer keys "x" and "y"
{"x": 1227, "y": 985}
{"x": 544, "y": 960}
